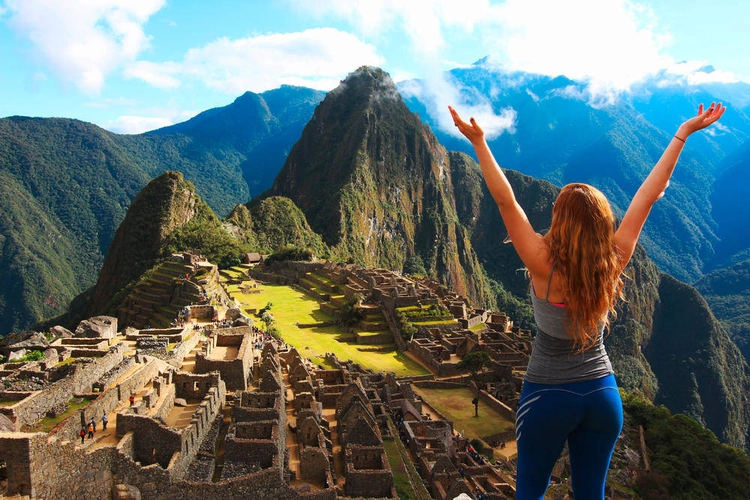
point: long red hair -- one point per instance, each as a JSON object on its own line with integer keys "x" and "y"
{"x": 586, "y": 264}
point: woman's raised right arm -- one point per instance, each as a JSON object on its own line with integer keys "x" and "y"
{"x": 657, "y": 181}
{"x": 529, "y": 245}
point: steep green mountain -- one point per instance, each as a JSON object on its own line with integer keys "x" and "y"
{"x": 272, "y": 223}
{"x": 167, "y": 216}
{"x": 560, "y": 136}
{"x": 251, "y": 137}
{"x": 727, "y": 291}
{"x": 66, "y": 186}
{"x": 376, "y": 184}
{"x": 701, "y": 372}
{"x": 687, "y": 461}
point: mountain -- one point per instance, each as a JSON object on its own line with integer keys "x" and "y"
{"x": 727, "y": 291}
{"x": 561, "y": 135}
{"x": 701, "y": 373}
{"x": 375, "y": 183}
{"x": 66, "y": 186}
{"x": 729, "y": 205}
{"x": 253, "y": 135}
{"x": 273, "y": 223}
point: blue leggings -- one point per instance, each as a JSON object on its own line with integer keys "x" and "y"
{"x": 588, "y": 415}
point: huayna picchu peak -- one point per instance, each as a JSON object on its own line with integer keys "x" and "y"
{"x": 372, "y": 179}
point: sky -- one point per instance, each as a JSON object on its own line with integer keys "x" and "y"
{"x": 135, "y": 65}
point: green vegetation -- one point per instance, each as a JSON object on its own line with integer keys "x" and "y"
{"x": 205, "y": 234}
{"x": 351, "y": 313}
{"x": 728, "y": 293}
{"x": 406, "y": 479}
{"x": 49, "y": 423}
{"x": 270, "y": 224}
{"x": 32, "y": 356}
{"x": 687, "y": 459}
{"x": 405, "y": 326}
{"x": 290, "y": 252}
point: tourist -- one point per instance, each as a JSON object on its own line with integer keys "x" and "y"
{"x": 132, "y": 400}
{"x": 91, "y": 430}
{"x": 83, "y": 434}
{"x": 93, "y": 423}
{"x": 104, "y": 421}
{"x": 569, "y": 393}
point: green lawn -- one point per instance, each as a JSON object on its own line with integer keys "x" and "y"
{"x": 456, "y": 405}
{"x": 292, "y": 307}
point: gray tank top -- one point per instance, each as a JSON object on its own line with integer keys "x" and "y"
{"x": 554, "y": 359}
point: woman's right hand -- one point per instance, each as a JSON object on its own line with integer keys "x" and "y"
{"x": 471, "y": 130}
{"x": 702, "y": 120}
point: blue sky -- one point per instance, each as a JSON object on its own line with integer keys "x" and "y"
{"x": 135, "y": 65}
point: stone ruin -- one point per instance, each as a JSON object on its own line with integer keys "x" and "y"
{"x": 244, "y": 423}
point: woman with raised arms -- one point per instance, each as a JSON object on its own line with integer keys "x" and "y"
{"x": 569, "y": 392}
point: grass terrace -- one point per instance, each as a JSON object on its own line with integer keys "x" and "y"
{"x": 292, "y": 307}
{"x": 456, "y": 405}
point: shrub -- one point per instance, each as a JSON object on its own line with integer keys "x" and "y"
{"x": 291, "y": 252}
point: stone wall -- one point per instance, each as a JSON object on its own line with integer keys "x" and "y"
{"x": 183, "y": 348}
{"x": 236, "y": 372}
{"x": 314, "y": 464}
{"x": 56, "y": 470}
{"x": 202, "y": 311}
{"x": 435, "y": 365}
{"x": 35, "y": 407}
{"x": 498, "y": 406}
{"x": 172, "y": 449}
{"x": 368, "y": 473}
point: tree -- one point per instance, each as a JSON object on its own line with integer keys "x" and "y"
{"x": 352, "y": 312}
{"x": 475, "y": 362}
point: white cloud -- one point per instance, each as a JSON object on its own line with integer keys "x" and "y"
{"x": 137, "y": 124}
{"x": 81, "y": 41}
{"x": 697, "y": 72}
{"x": 316, "y": 58}
{"x": 161, "y": 75}
{"x": 611, "y": 44}
{"x": 424, "y": 24}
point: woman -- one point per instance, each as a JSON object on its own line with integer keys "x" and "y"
{"x": 569, "y": 392}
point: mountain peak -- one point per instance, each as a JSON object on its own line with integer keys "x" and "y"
{"x": 370, "y": 81}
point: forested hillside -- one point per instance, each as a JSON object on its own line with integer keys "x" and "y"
{"x": 66, "y": 186}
